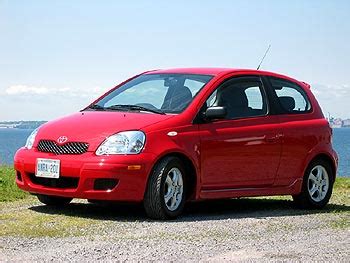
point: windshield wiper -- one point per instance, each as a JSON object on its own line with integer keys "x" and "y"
{"x": 96, "y": 107}
{"x": 132, "y": 107}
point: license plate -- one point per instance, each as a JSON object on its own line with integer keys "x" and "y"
{"x": 47, "y": 168}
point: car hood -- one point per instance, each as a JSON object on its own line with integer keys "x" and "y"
{"x": 94, "y": 127}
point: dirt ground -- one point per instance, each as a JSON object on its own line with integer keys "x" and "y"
{"x": 231, "y": 230}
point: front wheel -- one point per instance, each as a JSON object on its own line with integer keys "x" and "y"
{"x": 165, "y": 193}
{"x": 54, "y": 200}
{"x": 317, "y": 186}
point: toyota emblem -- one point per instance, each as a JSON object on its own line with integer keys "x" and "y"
{"x": 62, "y": 139}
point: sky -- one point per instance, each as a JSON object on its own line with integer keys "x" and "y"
{"x": 58, "y": 56}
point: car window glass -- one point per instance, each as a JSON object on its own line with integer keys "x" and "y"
{"x": 144, "y": 92}
{"x": 194, "y": 85}
{"x": 254, "y": 96}
{"x": 168, "y": 93}
{"x": 292, "y": 98}
{"x": 240, "y": 98}
{"x": 212, "y": 99}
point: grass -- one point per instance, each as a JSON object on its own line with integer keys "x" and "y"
{"x": 8, "y": 188}
{"x": 22, "y": 215}
{"x": 31, "y": 224}
{"x": 341, "y": 223}
{"x": 341, "y": 191}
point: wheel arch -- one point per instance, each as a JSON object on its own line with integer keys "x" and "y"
{"x": 191, "y": 171}
{"x": 325, "y": 157}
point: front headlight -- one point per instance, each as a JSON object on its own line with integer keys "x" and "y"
{"x": 31, "y": 139}
{"x": 128, "y": 142}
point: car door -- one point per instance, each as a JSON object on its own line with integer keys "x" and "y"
{"x": 244, "y": 148}
{"x": 301, "y": 128}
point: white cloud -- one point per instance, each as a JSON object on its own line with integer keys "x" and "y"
{"x": 29, "y": 102}
{"x": 334, "y": 99}
{"x": 331, "y": 90}
{"x": 24, "y": 89}
{"x": 39, "y": 102}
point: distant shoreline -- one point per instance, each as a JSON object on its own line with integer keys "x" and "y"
{"x": 16, "y": 128}
{"x": 20, "y": 124}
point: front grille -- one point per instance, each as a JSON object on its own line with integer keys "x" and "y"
{"x": 67, "y": 148}
{"x": 62, "y": 182}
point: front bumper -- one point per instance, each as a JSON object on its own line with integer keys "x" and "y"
{"x": 130, "y": 172}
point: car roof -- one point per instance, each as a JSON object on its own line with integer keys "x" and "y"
{"x": 202, "y": 71}
{"x": 220, "y": 71}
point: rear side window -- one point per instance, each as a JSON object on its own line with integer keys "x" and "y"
{"x": 292, "y": 98}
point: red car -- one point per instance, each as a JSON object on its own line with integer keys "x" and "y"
{"x": 168, "y": 136}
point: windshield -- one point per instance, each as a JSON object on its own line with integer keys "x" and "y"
{"x": 157, "y": 93}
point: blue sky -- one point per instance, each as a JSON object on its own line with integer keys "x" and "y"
{"x": 55, "y": 57}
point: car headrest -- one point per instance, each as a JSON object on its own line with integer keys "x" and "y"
{"x": 288, "y": 103}
{"x": 233, "y": 97}
{"x": 177, "y": 98}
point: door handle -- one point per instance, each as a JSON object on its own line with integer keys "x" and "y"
{"x": 273, "y": 139}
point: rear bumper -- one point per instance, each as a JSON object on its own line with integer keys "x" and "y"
{"x": 84, "y": 170}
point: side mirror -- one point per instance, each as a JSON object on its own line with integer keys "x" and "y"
{"x": 216, "y": 112}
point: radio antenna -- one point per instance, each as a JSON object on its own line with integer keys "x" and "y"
{"x": 267, "y": 50}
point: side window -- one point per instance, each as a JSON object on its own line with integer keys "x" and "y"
{"x": 255, "y": 99}
{"x": 241, "y": 98}
{"x": 292, "y": 97}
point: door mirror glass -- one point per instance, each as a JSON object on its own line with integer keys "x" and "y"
{"x": 215, "y": 112}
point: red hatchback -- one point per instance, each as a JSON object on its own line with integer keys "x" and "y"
{"x": 168, "y": 136}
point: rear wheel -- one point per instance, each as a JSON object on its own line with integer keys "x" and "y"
{"x": 54, "y": 200}
{"x": 165, "y": 193}
{"x": 317, "y": 186}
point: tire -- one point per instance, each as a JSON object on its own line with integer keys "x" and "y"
{"x": 162, "y": 186}
{"x": 317, "y": 186}
{"x": 54, "y": 200}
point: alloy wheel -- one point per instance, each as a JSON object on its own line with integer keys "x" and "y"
{"x": 173, "y": 193}
{"x": 318, "y": 183}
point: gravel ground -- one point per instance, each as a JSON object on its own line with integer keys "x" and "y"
{"x": 233, "y": 230}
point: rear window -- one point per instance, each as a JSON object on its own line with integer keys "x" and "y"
{"x": 292, "y": 98}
